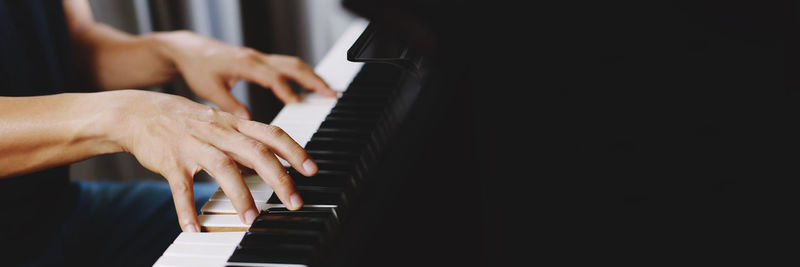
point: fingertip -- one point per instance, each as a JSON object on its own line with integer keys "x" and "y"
{"x": 191, "y": 228}
{"x": 310, "y": 167}
{"x": 296, "y": 202}
{"x": 249, "y": 216}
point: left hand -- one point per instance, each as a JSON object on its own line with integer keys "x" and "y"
{"x": 211, "y": 68}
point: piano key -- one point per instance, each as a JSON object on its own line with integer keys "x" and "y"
{"x": 273, "y": 221}
{"x": 253, "y": 179}
{"x": 301, "y": 121}
{"x": 333, "y": 144}
{"x": 226, "y": 207}
{"x": 281, "y": 253}
{"x": 316, "y": 197}
{"x": 339, "y": 132}
{"x": 200, "y": 250}
{"x": 259, "y": 187}
{"x": 324, "y": 178}
{"x": 328, "y": 213}
{"x": 304, "y": 112}
{"x": 218, "y": 238}
{"x": 258, "y": 196}
{"x": 309, "y": 239}
{"x": 221, "y": 223}
{"x": 189, "y": 261}
{"x": 332, "y": 154}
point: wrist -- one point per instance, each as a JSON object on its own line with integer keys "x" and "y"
{"x": 167, "y": 45}
{"x": 105, "y": 122}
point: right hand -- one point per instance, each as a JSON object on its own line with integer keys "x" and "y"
{"x": 176, "y": 137}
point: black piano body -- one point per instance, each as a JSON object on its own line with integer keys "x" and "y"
{"x": 578, "y": 132}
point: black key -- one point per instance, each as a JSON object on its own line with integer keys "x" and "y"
{"x": 332, "y": 154}
{"x": 347, "y": 105}
{"x": 304, "y": 212}
{"x": 335, "y": 165}
{"x": 331, "y": 214}
{"x": 274, "y": 238}
{"x": 344, "y": 113}
{"x": 271, "y": 222}
{"x": 335, "y": 144}
{"x": 283, "y": 253}
{"x": 342, "y": 124}
{"x": 342, "y": 132}
{"x": 322, "y": 179}
{"x": 316, "y": 197}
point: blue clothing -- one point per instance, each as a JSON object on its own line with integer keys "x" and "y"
{"x": 118, "y": 224}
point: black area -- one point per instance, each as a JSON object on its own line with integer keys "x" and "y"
{"x": 629, "y": 131}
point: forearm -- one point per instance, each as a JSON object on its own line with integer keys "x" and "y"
{"x": 46, "y": 131}
{"x": 112, "y": 59}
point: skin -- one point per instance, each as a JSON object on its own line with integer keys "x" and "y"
{"x": 168, "y": 134}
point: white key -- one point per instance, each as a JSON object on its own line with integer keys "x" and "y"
{"x": 200, "y": 250}
{"x": 222, "y": 223}
{"x": 214, "y": 249}
{"x": 258, "y": 196}
{"x": 226, "y": 207}
{"x": 301, "y": 133}
{"x": 188, "y": 261}
{"x": 221, "y": 238}
{"x": 259, "y": 187}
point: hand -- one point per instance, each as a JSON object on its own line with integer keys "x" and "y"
{"x": 211, "y": 68}
{"x": 176, "y": 137}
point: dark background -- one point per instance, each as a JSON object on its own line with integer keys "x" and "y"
{"x": 608, "y": 132}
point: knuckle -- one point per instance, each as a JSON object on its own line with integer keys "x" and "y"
{"x": 224, "y": 163}
{"x": 261, "y": 149}
{"x": 283, "y": 179}
{"x": 208, "y": 113}
{"x": 181, "y": 188}
{"x": 274, "y": 131}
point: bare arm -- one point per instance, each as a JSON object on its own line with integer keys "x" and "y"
{"x": 117, "y": 60}
{"x": 168, "y": 134}
{"x": 46, "y": 131}
{"x": 113, "y": 59}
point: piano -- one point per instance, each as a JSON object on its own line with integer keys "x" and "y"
{"x": 347, "y": 137}
{"x": 648, "y": 138}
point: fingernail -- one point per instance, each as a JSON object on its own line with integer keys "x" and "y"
{"x": 310, "y": 166}
{"x": 250, "y": 216}
{"x": 297, "y": 202}
{"x": 190, "y": 227}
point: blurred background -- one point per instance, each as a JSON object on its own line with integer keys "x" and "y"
{"x": 303, "y": 28}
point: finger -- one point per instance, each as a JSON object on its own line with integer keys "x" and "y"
{"x": 281, "y": 143}
{"x": 268, "y": 78}
{"x": 217, "y": 92}
{"x": 258, "y": 156}
{"x": 227, "y": 174}
{"x": 303, "y": 74}
{"x": 183, "y": 195}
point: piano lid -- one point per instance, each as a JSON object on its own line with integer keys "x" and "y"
{"x": 379, "y": 44}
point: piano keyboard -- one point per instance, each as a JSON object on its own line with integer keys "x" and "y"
{"x": 344, "y": 136}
